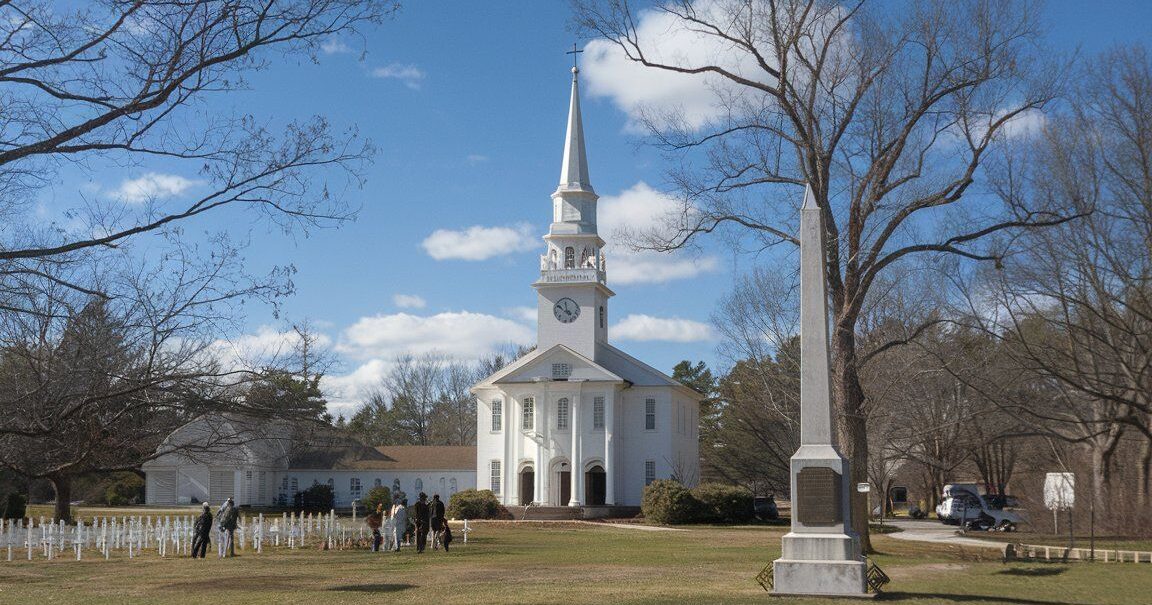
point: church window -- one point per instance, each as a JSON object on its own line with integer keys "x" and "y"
{"x": 376, "y": 483}
{"x": 569, "y": 258}
{"x": 295, "y": 485}
{"x": 354, "y": 487}
{"x": 452, "y": 485}
{"x": 649, "y": 414}
{"x": 528, "y": 418}
{"x": 497, "y": 415}
{"x": 602, "y": 316}
{"x": 561, "y": 371}
{"x": 649, "y": 471}
{"x": 562, "y": 414}
{"x": 495, "y": 476}
{"x": 598, "y": 413}
{"x": 419, "y": 485}
{"x": 395, "y": 488}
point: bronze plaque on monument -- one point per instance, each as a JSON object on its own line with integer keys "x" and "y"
{"x": 818, "y": 496}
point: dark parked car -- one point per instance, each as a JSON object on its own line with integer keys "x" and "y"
{"x": 765, "y": 508}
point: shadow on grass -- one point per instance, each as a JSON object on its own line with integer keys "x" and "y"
{"x": 372, "y": 587}
{"x": 1033, "y": 572}
{"x": 966, "y": 598}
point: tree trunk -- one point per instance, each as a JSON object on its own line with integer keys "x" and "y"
{"x": 1101, "y": 461}
{"x": 62, "y": 485}
{"x": 1144, "y": 472}
{"x": 849, "y": 397}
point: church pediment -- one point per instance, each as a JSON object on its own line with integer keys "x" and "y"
{"x": 557, "y": 363}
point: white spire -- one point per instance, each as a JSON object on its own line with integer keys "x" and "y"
{"x": 574, "y": 171}
{"x": 815, "y": 379}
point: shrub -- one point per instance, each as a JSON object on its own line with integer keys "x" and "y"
{"x": 668, "y": 502}
{"x": 129, "y": 489}
{"x": 376, "y": 496}
{"x": 15, "y": 506}
{"x": 318, "y": 498}
{"x": 721, "y": 503}
{"x": 476, "y": 504}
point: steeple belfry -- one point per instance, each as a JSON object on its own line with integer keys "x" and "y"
{"x": 574, "y": 170}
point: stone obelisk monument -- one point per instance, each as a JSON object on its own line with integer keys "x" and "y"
{"x": 821, "y": 555}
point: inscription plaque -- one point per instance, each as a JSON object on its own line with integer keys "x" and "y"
{"x": 818, "y": 496}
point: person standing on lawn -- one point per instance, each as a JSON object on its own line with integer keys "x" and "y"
{"x": 202, "y": 533}
{"x": 421, "y": 522}
{"x": 228, "y": 517}
{"x": 399, "y": 522}
{"x": 438, "y": 520}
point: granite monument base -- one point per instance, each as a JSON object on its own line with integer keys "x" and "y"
{"x": 820, "y": 578}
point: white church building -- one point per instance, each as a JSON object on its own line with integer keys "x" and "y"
{"x": 578, "y": 422}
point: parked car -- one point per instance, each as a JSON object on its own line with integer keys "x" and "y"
{"x": 963, "y": 505}
{"x": 764, "y": 507}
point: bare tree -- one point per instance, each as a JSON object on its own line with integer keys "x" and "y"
{"x": 888, "y": 115}
{"x": 125, "y": 83}
{"x": 1075, "y": 306}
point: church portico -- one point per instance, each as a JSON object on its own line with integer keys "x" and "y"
{"x": 592, "y": 423}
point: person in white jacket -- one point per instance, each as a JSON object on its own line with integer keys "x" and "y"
{"x": 399, "y": 522}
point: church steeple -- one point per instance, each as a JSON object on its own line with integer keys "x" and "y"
{"x": 573, "y": 286}
{"x": 574, "y": 170}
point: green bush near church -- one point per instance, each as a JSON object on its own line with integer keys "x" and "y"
{"x": 722, "y": 503}
{"x": 668, "y": 502}
{"x": 476, "y": 504}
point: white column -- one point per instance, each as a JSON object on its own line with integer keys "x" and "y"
{"x": 541, "y": 426}
{"x": 517, "y": 447}
{"x": 577, "y": 462}
{"x": 609, "y": 452}
{"x": 506, "y": 469}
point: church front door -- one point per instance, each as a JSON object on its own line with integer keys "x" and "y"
{"x": 565, "y": 479}
{"x": 527, "y": 486}
{"x": 595, "y": 486}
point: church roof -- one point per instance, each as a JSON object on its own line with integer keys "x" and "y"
{"x": 611, "y": 365}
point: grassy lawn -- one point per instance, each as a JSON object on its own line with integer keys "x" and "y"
{"x": 545, "y": 563}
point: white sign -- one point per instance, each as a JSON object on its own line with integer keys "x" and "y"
{"x": 863, "y": 488}
{"x": 1059, "y": 491}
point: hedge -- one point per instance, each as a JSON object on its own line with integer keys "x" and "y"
{"x": 476, "y": 504}
{"x": 722, "y": 503}
{"x": 668, "y": 502}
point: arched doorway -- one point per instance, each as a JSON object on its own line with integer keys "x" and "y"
{"x": 527, "y": 485}
{"x": 560, "y": 483}
{"x": 595, "y": 486}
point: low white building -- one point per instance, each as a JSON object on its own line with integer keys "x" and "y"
{"x": 578, "y": 422}
{"x": 271, "y": 467}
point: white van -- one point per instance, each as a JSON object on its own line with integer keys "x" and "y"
{"x": 963, "y": 505}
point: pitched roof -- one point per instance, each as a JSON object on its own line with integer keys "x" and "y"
{"x": 430, "y": 457}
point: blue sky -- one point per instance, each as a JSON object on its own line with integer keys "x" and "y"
{"x": 467, "y": 105}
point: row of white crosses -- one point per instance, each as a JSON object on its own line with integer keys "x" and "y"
{"x": 170, "y": 535}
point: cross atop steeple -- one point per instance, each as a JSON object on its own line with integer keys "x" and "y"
{"x": 574, "y": 52}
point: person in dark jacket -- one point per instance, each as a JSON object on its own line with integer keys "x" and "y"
{"x": 374, "y": 522}
{"x": 421, "y": 520}
{"x": 437, "y": 520}
{"x": 202, "y": 533}
{"x": 447, "y": 538}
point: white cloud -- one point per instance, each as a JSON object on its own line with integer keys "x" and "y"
{"x": 152, "y": 186}
{"x": 334, "y": 47}
{"x": 524, "y": 314}
{"x": 460, "y": 335}
{"x": 1024, "y": 124}
{"x": 266, "y": 344}
{"x": 637, "y": 209}
{"x": 636, "y": 89}
{"x": 408, "y": 301}
{"x": 346, "y": 393}
{"x": 410, "y": 75}
{"x": 648, "y": 328}
{"x": 480, "y": 243}
{"x": 476, "y": 158}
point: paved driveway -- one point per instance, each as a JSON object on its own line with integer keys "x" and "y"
{"x": 935, "y": 531}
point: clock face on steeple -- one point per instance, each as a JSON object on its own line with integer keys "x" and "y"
{"x": 566, "y": 310}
